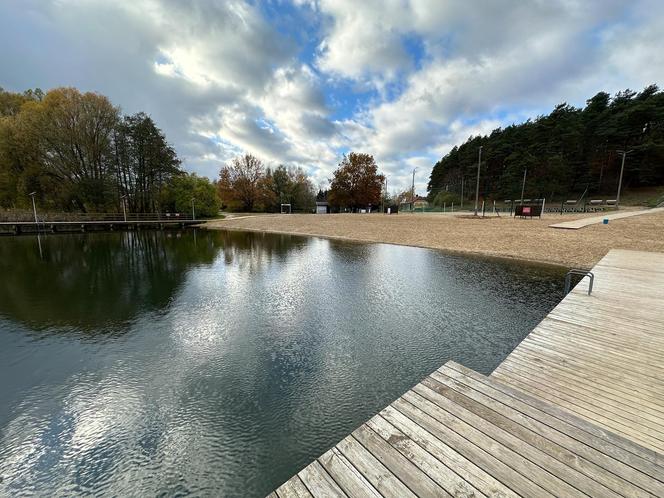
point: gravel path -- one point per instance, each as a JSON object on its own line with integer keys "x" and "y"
{"x": 504, "y": 237}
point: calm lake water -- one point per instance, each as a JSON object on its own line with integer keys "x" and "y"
{"x": 213, "y": 363}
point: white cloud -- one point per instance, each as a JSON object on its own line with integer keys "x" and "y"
{"x": 223, "y": 78}
{"x": 489, "y": 64}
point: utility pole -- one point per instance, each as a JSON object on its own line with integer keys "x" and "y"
{"x": 386, "y": 189}
{"x": 523, "y": 185}
{"x": 34, "y": 208}
{"x": 622, "y": 169}
{"x": 412, "y": 192}
{"x": 477, "y": 186}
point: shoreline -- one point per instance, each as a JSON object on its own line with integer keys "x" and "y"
{"x": 503, "y": 238}
{"x": 453, "y": 252}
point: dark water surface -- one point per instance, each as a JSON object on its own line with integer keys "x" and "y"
{"x": 213, "y": 363}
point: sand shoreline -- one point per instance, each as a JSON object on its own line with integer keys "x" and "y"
{"x": 456, "y": 252}
{"x": 502, "y": 238}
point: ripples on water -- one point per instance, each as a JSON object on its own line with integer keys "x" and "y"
{"x": 221, "y": 363}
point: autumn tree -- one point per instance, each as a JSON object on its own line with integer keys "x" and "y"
{"x": 73, "y": 133}
{"x": 356, "y": 182}
{"x": 20, "y": 171}
{"x": 241, "y": 183}
{"x": 403, "y": 196}
{"x": 77, "y": 153}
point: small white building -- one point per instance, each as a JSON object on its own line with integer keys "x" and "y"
{"x": 322, "y": 207}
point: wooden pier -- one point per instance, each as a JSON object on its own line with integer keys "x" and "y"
{"x": 577, "y": 409}
{"x": 28, "y": 227}
{"x": 601, "y": 356}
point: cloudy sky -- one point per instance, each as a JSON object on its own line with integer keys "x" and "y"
{"x": 302, "y": 82}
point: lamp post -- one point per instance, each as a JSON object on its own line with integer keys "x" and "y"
{"x": 477, "y": 186}
{"x": 412, "y": 192}
{"x": 193, "y": 209}
{"x": 523, "y": 185}
{"x": 622, "y": 169}
{"x": 34, "y": 207}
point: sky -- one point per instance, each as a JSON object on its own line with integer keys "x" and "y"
{"x": 302, "y": 82}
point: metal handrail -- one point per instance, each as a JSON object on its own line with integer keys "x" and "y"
{"x": 583, "y": 273}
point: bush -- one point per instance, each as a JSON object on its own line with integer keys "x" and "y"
{"x": 447, "y": 198}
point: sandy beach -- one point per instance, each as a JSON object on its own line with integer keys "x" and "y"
{"x": 505, "y": 237}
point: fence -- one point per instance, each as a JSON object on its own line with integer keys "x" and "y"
{"x": 508, "y": 207}
{"x": 45, "y": 217}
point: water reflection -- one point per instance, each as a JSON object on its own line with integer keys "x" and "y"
{"x": 249, "y": 251}
{"x": 243, "y": 356}
{"x": 91, "y": 282}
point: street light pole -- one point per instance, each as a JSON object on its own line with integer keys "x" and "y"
{"x": 477, "y": 186}
{"x": 412, "y": 192}
{"x": 34, "y": 207}
{"x": 622, "y": 169}
{"x": 523, "y": 185}
{"x": 386, "y": 192}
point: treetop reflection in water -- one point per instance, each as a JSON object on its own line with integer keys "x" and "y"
{"x": 220, "y": 363}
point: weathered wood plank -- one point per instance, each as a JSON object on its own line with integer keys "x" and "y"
{"x": 319, "y": 483}
{"x": 510, "y": 468}
{"x": 405, "y": 470}
{"x": 575, "y": 465}
{"x": 293, "y": 488}
{"x": 620, "y": 427}
{"x": 609, "y": 401}
{"x": 558, "y": 360}
{"x": 346, "y": 475}
{"x": 434, "y": 468}
{"x": 373, "y": 470}
{"x": 599, "y": 438}
{"x": 476, "y": 476}
{"x": 587, "y": 381}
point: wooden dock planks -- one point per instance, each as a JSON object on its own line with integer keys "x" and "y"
{"x": 601, "y": 356}
{"x": 577, "y": 409}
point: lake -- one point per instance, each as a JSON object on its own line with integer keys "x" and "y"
{"x": 220, "y": 363}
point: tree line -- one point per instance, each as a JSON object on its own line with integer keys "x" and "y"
{"x": 77, "y": 152}
{"x": 246, "y": 184}
{"x": 566, "y": 152}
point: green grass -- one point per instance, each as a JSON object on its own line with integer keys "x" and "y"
{"x": 646, "y": 196}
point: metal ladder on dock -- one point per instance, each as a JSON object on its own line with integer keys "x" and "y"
{"x": 583, "y": 274}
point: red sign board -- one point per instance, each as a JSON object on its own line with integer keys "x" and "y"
{"x": 526, "y": 210}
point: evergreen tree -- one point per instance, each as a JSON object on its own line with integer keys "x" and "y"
{"x": 565, "y": 152}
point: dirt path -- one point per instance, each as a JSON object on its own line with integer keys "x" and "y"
{"x": 501, "y": 237}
